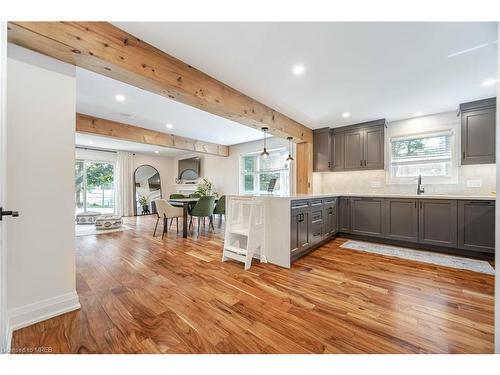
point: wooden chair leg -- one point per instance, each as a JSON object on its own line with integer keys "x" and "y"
{"x": 165, "y": 222}
{"x": 177, "y": 224}
{"x": 156, "y": 226}
{"x": 190, "y": 222}
{"x": 199, "y": 224}
{"x": 211, "y": 223}
{"x": 171, "y": 221}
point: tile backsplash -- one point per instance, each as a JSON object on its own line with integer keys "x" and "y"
{"x": 472, "y": 180}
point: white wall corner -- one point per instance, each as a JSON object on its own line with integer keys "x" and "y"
{"x": 32, "y": 313}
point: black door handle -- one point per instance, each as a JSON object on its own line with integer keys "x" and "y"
{"x": 5, "y": 213}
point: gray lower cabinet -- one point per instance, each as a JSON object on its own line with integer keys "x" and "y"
{"x": 478, "y": 122}
{"x": 476, "y": 226}
{"x": 401, "y": 219}
{"x": 437, "y": 222}
{"x": 329, "y": 218}
{"x": 321, "y": 150}
{"x": 344, "y": 215}
{"x": 368, "y": 216}
{"x": 316, "y": 224}
{"x": 299, "y": 231}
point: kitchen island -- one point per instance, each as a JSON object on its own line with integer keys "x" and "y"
{"x": 297, "y": 224}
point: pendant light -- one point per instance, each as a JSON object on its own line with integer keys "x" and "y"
{"x": 289, "y": 158}
{"x": 264, "y": 154}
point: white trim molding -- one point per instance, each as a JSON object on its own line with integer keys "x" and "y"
{"x": 26, "y": 315}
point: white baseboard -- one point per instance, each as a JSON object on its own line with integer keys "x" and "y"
{"x": 26, "y": 315}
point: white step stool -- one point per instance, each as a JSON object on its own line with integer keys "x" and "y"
{"x": 244, "y": 235}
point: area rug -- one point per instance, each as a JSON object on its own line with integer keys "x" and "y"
{"x": 422, "y": 256}
{"x": 87, "y": 230}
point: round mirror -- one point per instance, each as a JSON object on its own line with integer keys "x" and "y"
{"x": 147, "y": 189}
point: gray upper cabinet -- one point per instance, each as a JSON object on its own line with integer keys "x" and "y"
{"x": 321, "y": 150}
{"x": 476, "y": 226}
{"x": 374, "y": 147}
{"x": 359, "y": 146}
{"x": 338, "y": 151}
{"x": 438, "y": 222}
{"x": 401, "y": 219}
{"x": 353, "y": 149}
{"x": 478, "y": 122}
{"x": 368, "y": 216}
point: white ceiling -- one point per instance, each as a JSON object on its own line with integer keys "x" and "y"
{"x": 96, "y": 97}
{"x": 372, "y": 70}
{"x": 93, "y": 141}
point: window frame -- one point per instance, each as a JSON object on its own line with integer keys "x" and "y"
{"x": 451, "y": 179}
{"x": 285, "y": 173}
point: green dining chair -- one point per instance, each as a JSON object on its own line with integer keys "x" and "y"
{"x": 202, "y": 209}
{"x": 195, "y": 195}
{"x": 220, "y": 208}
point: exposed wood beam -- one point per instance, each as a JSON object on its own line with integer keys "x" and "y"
{"x": 110, "y": 51}
{"x": 98, "y": 126}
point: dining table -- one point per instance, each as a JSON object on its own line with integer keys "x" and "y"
{"x": 185, "y": 202}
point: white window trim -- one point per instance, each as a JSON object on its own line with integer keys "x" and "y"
{"x": 448, "y": 180}
{"x": 241, "y": 179}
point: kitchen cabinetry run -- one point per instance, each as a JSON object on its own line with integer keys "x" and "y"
{"x": 322, "y": 150}
{"x": 312, "y": 222}
{"x": 478, "y": 122}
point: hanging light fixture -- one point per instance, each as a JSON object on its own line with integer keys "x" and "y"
{"x": 289, "y": 158}
{"x": 264, "y": 154}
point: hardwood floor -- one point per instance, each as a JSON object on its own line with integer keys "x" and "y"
{"x": 145, "y": 295}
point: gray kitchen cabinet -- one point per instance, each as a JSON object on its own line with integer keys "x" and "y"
{"x": 344, "y": 214}
{"x": 322, "y": 150}
{"x": 373, "y": 155}
{"x": 316, "y": 224}
{"x": 401, "y": 219}
{"x": 337, "y": 152}
{"x": 437, "y": 222}
{"x": 478, "y": 123}
{"x": 299, "y": 226}
{"x": 476, "y": 226}
{"x": 368, "y": 216}
{"x": 329, "y": 217}
{"x": 353, "y": 149}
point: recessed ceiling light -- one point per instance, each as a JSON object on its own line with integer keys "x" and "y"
{"x": 156, "y": 151}
{"x": 346, "y": 114}
{"x": 169, "y": 126}
{"x": 489, "y": 82}
{"x": 418, "y": 113}
{"x": 298, "y": 70}
{"x": 120, "y": 98}
{"x": 221, "y": 139}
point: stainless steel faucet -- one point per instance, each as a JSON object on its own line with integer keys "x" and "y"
{"x": 420, "y": 189}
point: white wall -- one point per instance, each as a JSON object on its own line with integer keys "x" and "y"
{"x": 164, "y": 165}
{"x": 224, "y": 172}
{"x": 41, "y": 97}
{"x": 376, "y": 181}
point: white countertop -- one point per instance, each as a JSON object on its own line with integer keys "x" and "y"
{"x": 375, "y": 195}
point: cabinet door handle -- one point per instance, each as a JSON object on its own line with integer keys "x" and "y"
{"x": 361, "y": 163}
{"x": 463, "y": 155}
{"x": 329, "y": 165}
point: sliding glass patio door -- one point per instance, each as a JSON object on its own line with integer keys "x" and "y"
{"x": 94, "y": 186}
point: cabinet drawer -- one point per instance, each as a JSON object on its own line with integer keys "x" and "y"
{"x": 316, "y": 203}
{"x": 316, "y": 232}
{"x": 300, "y": 204}
{"x": 316, "y": 216}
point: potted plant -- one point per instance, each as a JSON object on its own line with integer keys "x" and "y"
{"x": 143, "y": 201}
{"x": 206, "y": 188}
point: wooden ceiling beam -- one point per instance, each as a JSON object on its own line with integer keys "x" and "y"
{"x": 110, "y": 51}
{"x": 98, "y": 126}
